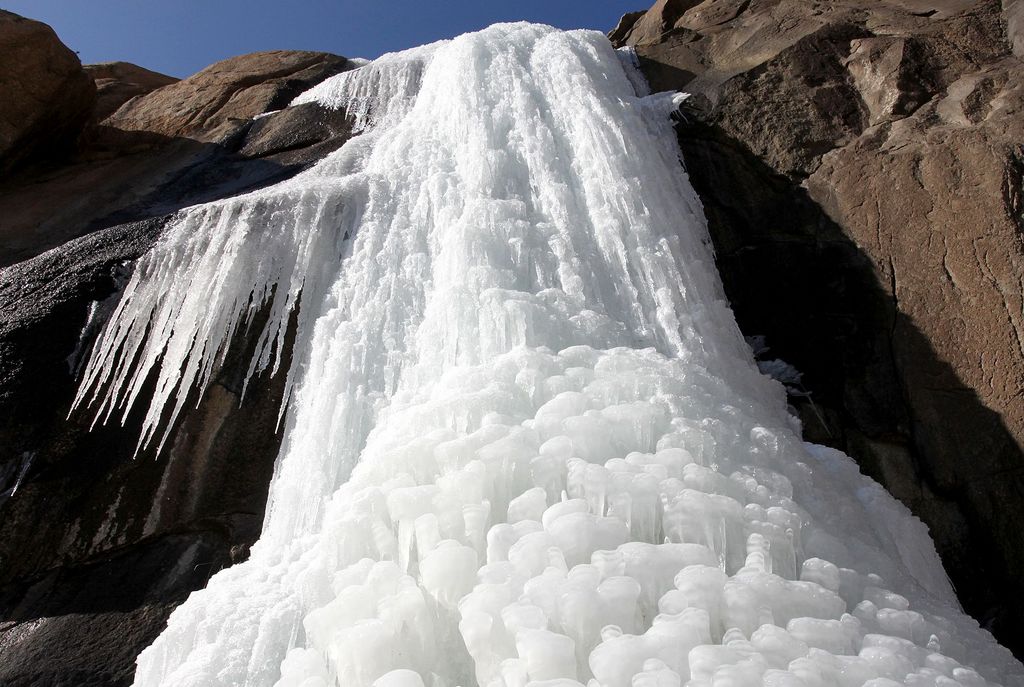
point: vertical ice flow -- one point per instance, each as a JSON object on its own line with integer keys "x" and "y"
{"x": 525, "y": 442}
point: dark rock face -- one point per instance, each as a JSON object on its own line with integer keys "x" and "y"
{"x": 124, "y": 539}
{"x": 98, "y": 545}
{"x": 94, "y": 537}
{"x": 860, "y": 165}
{"x": 296, "y": 134}
{"x": 47, "y": 98}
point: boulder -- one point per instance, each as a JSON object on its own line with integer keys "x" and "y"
{"x": 296, "y": 133}
{"x": 119, "y": 82}
{"x": 47, "y": 97}
{"x": 124, "y": 174}
{"x": 216, "y": 103}
{"x": 860, "y": 164}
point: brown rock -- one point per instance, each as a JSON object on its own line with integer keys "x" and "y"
{"x": 218, "y": 102}
{"x": 123, "y": 174}
{"x": 861, "y": 166}
{"x": 944, "y": 232}
{"x": 119, "y": 82}
{"x": 814, "y": 104}
{"x": 1013, "y": 10}
{"x": 625, "y": 25}
{"x": 710, "y": 13}
{"x": 876, "y": 66}
{"x": 659, "y": 20}
{"x": 47, "y": 98}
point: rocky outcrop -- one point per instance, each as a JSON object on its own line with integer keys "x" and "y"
{"x": 143, "y": 161}
{"x": 861, "y": 167}
{"x": 296, "y": 134}
{"x": 98, "y": 545}
{"x": 216, "y": 103}
{"x": 47, "y": 97}
{"x": 119, "y": 82}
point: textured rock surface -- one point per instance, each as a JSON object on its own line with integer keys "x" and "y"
{"x": 180, "y": 144}
{"x": 47, "y": 97}
{"x": 130, "y": 175}
{"x": 119, "y": 82}
{"x": 123, "y": 540}
{"x": 861, "y": 166}
{"x": 97, "y": 548}
{"x": 216, "y": 103}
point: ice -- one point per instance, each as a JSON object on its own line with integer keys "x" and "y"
{"x": 524, "y": 440}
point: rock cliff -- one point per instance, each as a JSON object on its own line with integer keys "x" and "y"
{"x": 861, "y": 167}
{"x": 860, "y": 163}
{"x": 96, "y": 548}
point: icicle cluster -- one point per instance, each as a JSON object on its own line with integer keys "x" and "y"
{"x": 526, "y": 443}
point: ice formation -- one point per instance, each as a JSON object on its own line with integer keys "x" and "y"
{"x": 526, "y": 444}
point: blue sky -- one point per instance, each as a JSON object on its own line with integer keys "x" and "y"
{"x": 179, "y": 37}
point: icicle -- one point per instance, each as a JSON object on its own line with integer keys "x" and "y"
{"x": 526, "y": 442}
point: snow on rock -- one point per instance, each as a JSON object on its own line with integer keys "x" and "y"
{"x": 526, "y": 444}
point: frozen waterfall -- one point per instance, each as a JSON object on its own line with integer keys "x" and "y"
{"x": 525, "y": 442}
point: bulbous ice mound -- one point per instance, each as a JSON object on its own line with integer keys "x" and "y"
{"x": 525, "y": 443}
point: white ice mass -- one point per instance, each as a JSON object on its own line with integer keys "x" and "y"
{"x": 525, "y": 442}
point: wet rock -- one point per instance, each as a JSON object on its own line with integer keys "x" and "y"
{"x": 125, "y": 536}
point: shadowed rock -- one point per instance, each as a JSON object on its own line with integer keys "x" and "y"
{"x": 98, "y": 547}
{"x": 47, "y": 98}
{"x": 860, "y": 164}
{"x": 134, "y": 167}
